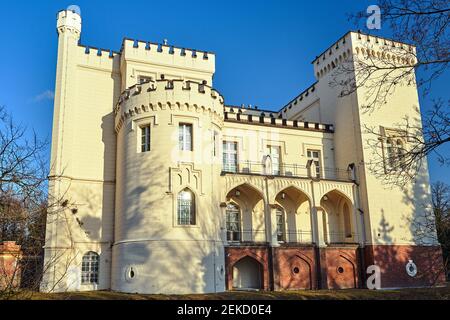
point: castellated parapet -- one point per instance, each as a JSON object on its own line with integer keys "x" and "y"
{"x": 69, "y": 20}
{"x": 171, "y": 95}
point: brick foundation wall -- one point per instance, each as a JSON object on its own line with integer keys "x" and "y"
{"x": 234, "y": 254}
{"x": 340, "y": 267}
{"x": 10, "y": 271}
{"x": 294, "y": 268}
{"x": 392, "y": 260}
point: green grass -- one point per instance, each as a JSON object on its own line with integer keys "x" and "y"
{"x": 353, "y": 294}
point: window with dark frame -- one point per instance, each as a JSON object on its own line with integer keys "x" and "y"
{"x": 186, "y": 208}
{"x": 145, "y": 138}
{"x": 89, "y": 268}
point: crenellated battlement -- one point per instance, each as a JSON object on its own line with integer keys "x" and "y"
{"x": 168, "y": 94}
{"x": 359, "y": 43}
{"x": 180, "y": 63}
{"x": 277, "y": 122}
{"x": 93, "y": 57}
{"x": 305, "y": 98}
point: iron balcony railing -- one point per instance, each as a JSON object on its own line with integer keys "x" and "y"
{"x": 287, "y": 170}
{"x": 259, "y": 236}
{"x": 341, "y": 237}
{"x": 295, "y": 236}
{"x": 246, "y": 236}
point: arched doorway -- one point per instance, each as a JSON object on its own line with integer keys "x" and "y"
{"x": 247, "y": 274}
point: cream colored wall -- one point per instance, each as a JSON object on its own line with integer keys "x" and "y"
{"x": 252, "y": 141}
{"x": 168, "y": 257}
{"x": 393, "y": 210}
{"x": 351, "y": 143}
{"x": 139, "y": 61}
{"x": 83, "y": 156}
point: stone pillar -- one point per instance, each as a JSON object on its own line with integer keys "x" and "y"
{"x": 321, "y": 236}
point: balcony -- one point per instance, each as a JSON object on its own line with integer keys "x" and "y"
{"x": 288, "y": 170}
{"x": 258, "y": 237}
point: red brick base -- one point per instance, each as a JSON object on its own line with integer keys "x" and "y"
{"x": 10, "y": 270}
{"x": 340, "y": 267}
{"x": 234, "y": 254}
{"x": 392, "y": 261}
{"x": 296, "y": 268}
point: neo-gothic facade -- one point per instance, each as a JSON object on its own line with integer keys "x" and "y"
{"x": 166, "y": 189}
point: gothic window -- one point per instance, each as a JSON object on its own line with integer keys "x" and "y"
{"x": 233, "y": 223}
{"x": 89, "y": 268}
{"x": 347, "y": 223}
{"x": 280, "y": 226}
{"x": 186, "y": 207}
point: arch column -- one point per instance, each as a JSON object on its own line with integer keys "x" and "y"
{"x": 319, "y": 217}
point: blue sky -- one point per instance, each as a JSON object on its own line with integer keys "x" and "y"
{"x": 273, "y": 41}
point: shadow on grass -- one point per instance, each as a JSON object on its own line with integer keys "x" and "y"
{"x": 441, "y": 293}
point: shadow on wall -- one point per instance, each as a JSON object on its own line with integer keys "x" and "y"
{"x": 418, "y": 264}
{"x": 167, "y": 266}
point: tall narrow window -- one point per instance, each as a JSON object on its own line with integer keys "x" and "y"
{"x": 390, "y": 149}
{"x": 145, "y": 138}
{"x": 314, "y": 155}
{"x": 233, "y": 223}
{"x": 347, "y": 223}
{"x": 215, "y": 141}
{"x": 230, "y": 156}
{"x": 280, "y": 226}
{"x": 89, "y": 268}
{"x": 274, "y": 153}
{"x": 400, "y": 152}
{"x": 186, "y": 207}
{"x": 185, "y": 136}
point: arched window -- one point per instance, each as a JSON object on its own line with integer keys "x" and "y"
{"x": 186, "y": 207}
{"x": 347, "y": 223}
{"x": 281, "y": 234}
{"x": 233, "y": 223}
{"x": 89, "y": 268}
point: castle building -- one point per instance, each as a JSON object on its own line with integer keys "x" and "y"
{"x": 164, "y": 188}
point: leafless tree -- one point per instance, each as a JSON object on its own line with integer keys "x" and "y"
{"x": 421, "y": 29}
{"x": 25, "y": 205}
{"x": 441, "y": 206}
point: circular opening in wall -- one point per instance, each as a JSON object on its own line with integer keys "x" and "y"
{"x": 340, "y": 270}
{"x": 296, "y": 270}
{"x": 411, "y": 268}
{"x": 130, "y": 273}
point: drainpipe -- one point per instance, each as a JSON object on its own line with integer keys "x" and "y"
{"x": 268, "y": 220}
{"x": 362, "y": 240}
{"x": 315, "y": 229}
